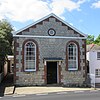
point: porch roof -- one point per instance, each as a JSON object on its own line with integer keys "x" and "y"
{"x": 53, "y": 59}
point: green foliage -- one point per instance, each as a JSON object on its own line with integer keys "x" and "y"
{"x": 6, "y": 39}
{"x": 97, "y": 40}
{"x": 90, "y": 39}
{"x": 5, "y": 31}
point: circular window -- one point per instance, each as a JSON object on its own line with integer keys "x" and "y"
{"x": 51, "y": 32}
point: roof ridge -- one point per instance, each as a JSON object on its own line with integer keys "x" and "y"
{"x": 92, "y": 46}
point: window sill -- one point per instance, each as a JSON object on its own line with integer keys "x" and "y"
{"x": 29, "y": 70}
{"x": 72, "y": 69}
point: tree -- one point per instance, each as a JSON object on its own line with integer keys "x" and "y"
{"x": 97, "y": 40}
{"x": 6, "y": 39}
{"x": 90, "y": 39}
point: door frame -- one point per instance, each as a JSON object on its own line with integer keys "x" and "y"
{"x": 58, "y": 71}
{"x": 57, "y": 77}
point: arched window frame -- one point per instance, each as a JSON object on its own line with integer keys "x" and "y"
{"x": 78, "y": 56}
{"x": 29, "y": 70}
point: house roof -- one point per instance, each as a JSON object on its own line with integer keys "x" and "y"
{"x": 50, "y": 15}
{"x": 53, "y": 59}
{"x": 93, "y": 47}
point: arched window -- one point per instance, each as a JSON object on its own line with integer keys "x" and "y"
{"x": 72, "y": 56}
{"x": 30, "y": 56}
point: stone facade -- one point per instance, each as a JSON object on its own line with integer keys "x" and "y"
{"x": 50, "y": 47}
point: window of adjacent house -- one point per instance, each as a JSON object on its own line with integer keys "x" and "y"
{"x": 72, "y": 57}
{"x": 30, "y": 56}
{"x": 98, "y": 55}
{"x": 97, "y": 72}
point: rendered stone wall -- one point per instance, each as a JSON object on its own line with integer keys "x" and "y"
{"x": 49, "y": 48}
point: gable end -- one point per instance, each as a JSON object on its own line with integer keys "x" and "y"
{"x": 47, "y": 19}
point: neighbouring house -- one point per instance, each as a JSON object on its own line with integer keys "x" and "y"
{"x": 93, "y": 58}
{"x": 50, "y": 51}
{"x": 11, "y": 64}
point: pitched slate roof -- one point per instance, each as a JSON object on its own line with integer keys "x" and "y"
{"x": 46, "y": 17}
{"x": 93, "y": 47}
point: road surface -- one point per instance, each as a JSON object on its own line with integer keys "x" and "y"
{"x": 75, "y": 95}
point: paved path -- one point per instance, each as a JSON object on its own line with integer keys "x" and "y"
{"x": 43, "y": 90}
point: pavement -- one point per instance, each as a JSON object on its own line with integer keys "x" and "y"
{"x": 7, "y": 88}
{"x": 42, "y": 90}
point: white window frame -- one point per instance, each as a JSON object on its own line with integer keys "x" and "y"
{"x": 97, "y": 72}
{"x": 29, "y": 70}
{"x": 74, "y": 55}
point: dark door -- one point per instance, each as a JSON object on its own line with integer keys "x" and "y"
{"x": 51, "y": 72}
{"x": 9, "y": 66}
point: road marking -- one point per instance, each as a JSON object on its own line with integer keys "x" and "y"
{"x": 1, "y": 97}
{"x": 19, "y": 95}
{"x": 78, "y": 91}
{"x": 42, "y": 94}
{"x": 62, "y": 92}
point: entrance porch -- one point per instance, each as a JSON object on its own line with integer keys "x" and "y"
{"x": 52, "y": 70}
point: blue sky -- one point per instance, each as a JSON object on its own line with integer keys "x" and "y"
{"x": 82, "y": 14}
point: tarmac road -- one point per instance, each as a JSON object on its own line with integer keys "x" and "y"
{"x": 80, "y": 95}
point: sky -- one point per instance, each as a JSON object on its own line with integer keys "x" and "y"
{"x": 82, "y": 14}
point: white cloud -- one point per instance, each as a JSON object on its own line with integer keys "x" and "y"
{"x": 15, "y": 29}
{"x": 96, "y": 4}
{"x": 59, "y": 6}
{"x": 24, "y": 10}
